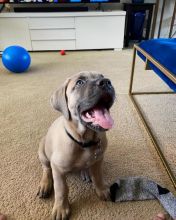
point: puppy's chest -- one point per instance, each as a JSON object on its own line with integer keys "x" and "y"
{"x": 88, "y": 156}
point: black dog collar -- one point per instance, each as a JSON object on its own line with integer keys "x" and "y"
{"x": 84, "y": 145}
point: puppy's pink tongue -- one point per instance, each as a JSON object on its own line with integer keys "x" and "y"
{"x": 103, "y": 118}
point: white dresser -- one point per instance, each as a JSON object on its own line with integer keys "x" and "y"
{"x": 68, "y": 31}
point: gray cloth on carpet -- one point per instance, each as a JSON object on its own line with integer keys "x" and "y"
{"x": 139, "y": 188}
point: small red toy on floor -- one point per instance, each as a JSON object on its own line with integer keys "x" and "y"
{"x": 62, "y": 52}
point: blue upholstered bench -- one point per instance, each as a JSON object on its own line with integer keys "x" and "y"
{"x": 163, "y": 51}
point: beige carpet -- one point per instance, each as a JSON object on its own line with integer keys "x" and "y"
{"x": 25, "y": 115}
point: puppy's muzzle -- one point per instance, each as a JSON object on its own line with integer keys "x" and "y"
{"x": 94, "y": 108}
{"x": 104, "y": 84}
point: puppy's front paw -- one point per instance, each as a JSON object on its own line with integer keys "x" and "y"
{"x": 104, "y": 194}
{"x": 60, "y": 212}
{"x": 45, "y": 188}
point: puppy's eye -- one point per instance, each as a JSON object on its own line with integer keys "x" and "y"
{"x": 80, "y": 82}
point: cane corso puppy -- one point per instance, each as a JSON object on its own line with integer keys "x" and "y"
{"x": 77, "y": 139}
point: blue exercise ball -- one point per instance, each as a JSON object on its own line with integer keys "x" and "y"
{"x": 16, "y": 59}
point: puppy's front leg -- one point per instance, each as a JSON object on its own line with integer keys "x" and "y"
{"x": 101, "y": 189}
{"x": 61, "y": 209}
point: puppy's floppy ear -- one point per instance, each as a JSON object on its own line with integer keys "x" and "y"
{"x": 59, "y": 100}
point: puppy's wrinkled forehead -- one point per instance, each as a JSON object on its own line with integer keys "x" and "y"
{"x": 86, "y": 75}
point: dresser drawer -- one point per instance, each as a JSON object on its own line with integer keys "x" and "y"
{"x": 54, "y": 45}
{"x": 53, "y": 34}
{"x": 54, "y": 22}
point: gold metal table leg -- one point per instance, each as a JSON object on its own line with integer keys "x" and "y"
{"x": 144, "y": 122}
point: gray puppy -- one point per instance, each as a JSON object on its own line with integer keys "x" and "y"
{"x": 76, "y": 140}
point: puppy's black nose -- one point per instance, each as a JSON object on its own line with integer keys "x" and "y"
{"x": 104, "y": 83}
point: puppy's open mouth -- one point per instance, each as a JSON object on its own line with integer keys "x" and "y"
{"x": 98, "y": 116}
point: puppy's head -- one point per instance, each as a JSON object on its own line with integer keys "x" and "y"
{"x": 86, "y": 98}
